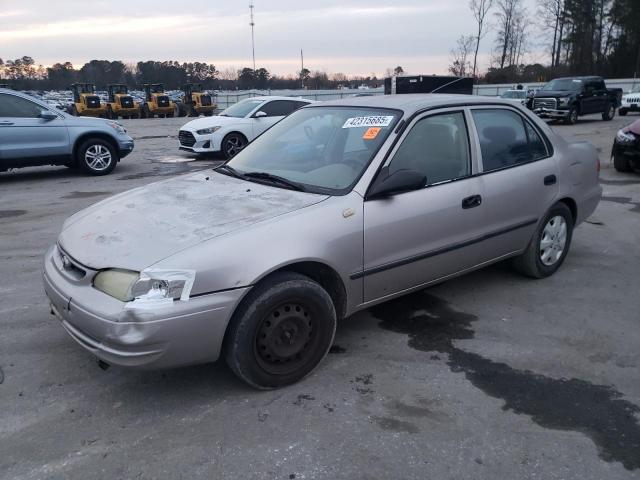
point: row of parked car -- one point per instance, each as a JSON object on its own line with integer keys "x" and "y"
{"x": 96, "y": 145}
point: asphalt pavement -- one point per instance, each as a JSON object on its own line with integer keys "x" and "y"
{"x": 488, "y": 376}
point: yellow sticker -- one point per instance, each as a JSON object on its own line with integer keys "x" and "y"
{"x": 371, "y": 133}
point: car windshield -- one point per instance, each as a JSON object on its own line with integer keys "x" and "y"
{"x": 320, "y": 149}
{"x": 563, "y": 84}
{"x": 241, "y": 109}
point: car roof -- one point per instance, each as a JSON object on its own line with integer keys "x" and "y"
{"x": 412, "y": 102}
{"x": 279, "y": 97}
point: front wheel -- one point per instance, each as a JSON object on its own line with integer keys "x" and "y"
{"x": 621, "y": 163}
{"x": 572, "y": 118}
{"x": 549, "y": 245}
{"x": 609, "y": 113}
{"x": 97, "y": 157}
{"x": 281, "y": 331}
{"x": 232, "y": 144}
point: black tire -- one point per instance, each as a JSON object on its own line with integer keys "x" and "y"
{"x": 92, "y": 148}
{"x": 621, "y": 163}
{"x": 572, "y": 118}
{"x": 208, "y": 114}
{"x": 609, "y": 112}
{"x": 530, "y": 263}
{"x": 622, "y": 112}
{"x": 280, "y": 332}
{"x": 232, "y": 144}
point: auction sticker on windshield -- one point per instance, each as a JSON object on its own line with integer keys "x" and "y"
{"x": 371, "y": 121}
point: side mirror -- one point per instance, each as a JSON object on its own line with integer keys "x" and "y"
{"x": 259, "y": 114}
{"x": 47, "y": 115}
{"x": 398, "y": 182}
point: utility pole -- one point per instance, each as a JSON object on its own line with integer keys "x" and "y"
{"x": 302, "y": 68}
{"x": 253, "y": 41}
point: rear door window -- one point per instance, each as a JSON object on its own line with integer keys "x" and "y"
{"x": 278, "y": 108}
{"x": 506, "y": 139}
{"x": 17, "y": 107}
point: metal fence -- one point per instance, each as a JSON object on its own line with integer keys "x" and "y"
{"x": 225, "y": 99}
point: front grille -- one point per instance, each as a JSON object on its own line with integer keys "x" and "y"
{"x": 163, "y": 101}
{"x": 126, "y": 102}
{"x": 186, "y": 138}
{"x": 544, "y": 103}
{"x": 205, "y": 100}
{"x": 93, "y": 101}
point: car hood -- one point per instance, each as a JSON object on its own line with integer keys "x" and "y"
{"x": 216, "y": 121}
{"x": 140, "y": 227}
{"x": 633, "y": 128}
{"x": 553, "y": 93}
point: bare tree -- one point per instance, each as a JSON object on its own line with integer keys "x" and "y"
{"x": 510, "y": 40}
{"x": 480, "y": 9}
{"x": 551, "y": 14}
{"x": 460, "y": 64}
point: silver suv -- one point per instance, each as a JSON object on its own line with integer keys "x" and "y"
{"x": 32, "y": 134}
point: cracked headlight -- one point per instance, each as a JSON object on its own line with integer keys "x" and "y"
{"x": 206, "y": 131}
{"x": 157, "y": 287}
{"x": 116, "y": 283}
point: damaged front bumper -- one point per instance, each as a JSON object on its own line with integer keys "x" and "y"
{"x": 182, "y": 333}
{"x": 551, "y": 113}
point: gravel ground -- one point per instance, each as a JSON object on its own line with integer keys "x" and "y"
{"x": 502, "y": 378}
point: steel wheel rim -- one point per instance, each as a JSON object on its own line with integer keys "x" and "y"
{"x": 553, "y": 240}
{"x": 286, "y": 338}
{"x": 233, "y": 146}
{"x": 98, "y": 157}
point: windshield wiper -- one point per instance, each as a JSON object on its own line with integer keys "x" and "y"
{"x": 275, "y": 179}
{"x": 227, "y": 170}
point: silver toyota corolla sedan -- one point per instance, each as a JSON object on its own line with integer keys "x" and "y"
{"x": 340, "y": 206}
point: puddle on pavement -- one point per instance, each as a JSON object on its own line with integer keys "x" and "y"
{"x": 623, "y": 201}
{"x": 620, "y": 182}
{"x": 12, "y": 213}
{"x": 597, "y": 411}
{"x": 85, "y": 194}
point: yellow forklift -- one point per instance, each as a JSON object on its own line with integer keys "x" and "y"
{"x": 85, "y": 101}
{"x": 195, "y": 101}
{"x": 156, "y": 102}
{"x": 120, "y": 103}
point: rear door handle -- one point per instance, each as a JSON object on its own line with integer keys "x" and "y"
{"x": 6, "y": 122}
{"x": 550, "y": 180}
{"x": 471, "y": 202}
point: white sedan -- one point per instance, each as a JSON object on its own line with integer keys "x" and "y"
{"x": 236, "y": 126}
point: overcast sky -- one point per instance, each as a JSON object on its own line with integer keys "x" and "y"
{"x": 349, "y": 36}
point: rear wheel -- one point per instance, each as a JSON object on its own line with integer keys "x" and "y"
{"x": 549, "y": 245}
{"x": 609, "y": 112}
{"x": 281, "y": 331}
{"x": 621, "y": 163}
{"x": 622, "y": 112}
{"x": 97, "y": 157}
{"x": 232, "y": 144}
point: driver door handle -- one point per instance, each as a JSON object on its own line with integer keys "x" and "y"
{"x": 471, "y": 202}
{"x": 6, "y": 122}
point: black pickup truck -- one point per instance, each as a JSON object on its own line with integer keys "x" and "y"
{"x": 568, "y": 98}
